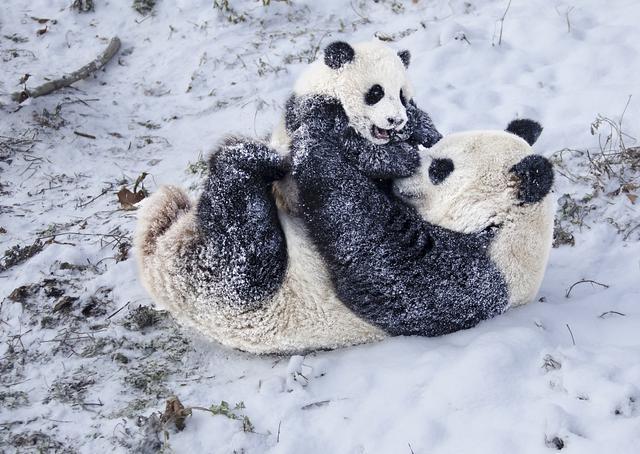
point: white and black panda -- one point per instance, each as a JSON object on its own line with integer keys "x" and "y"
{"x": 487, "y": 188}
{"x": 369, "y": 79}
{"x": 256, "y": 277}
{"x": 404, "y": 274}
{"x": 472, "y": 180}
{"x": 243, "y": 270}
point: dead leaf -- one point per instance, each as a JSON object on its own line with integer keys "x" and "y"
{"x": 632, "y": 198}
{"x": 176, "y": 412}
{"x": 42, "y": 31}
{"x": 128, "y": 199}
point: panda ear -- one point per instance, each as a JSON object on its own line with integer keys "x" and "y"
{"x": 527, "y": 129}
{"x": 405, "y": 56}
{"x": 338, "y": 54}
{"x": 535, "y": 178}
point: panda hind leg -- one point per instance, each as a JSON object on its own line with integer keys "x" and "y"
{"x": 238, "y": 217}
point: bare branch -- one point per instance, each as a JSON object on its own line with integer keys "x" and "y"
{"x": 66, "y": 80}
{"x": 584, "y": 281}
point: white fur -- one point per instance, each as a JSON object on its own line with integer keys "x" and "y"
{"x": 374, "y": 63}
{"x": 481, "y": 191}
{"x": 304, "y": 314}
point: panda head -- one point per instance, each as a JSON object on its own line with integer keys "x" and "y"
{"x": 370, "y": 81}
{"x": 471, "y": 180}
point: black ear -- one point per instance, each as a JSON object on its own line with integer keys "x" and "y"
{"x": 535, "y": 175}
{"x": 338, "y": 54}
{"x": 405, "y": 56}
{"x": 529, "y": 130}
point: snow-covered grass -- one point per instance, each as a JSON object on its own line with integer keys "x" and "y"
{"x": 85, "y": 363}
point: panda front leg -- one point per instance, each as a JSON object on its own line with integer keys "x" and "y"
{"x": 387, "y": 264}
{"x": 238, "y": 218}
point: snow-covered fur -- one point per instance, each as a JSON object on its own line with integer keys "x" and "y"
{"x": 240, "y": 267}
{"x": 369, "y": 80}
{"x": 389, "y": 265}
{"x": 472, "y": 180}
{"x": 360, "y": 264}
{"x": 227, "y": 267}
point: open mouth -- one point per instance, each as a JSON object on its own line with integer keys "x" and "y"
{"x": 381, "y": 134}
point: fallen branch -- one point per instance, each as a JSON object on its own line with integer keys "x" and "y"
{"x": 583, "y": 281}
{"x": 501, "y": 20}
{"x": 66, "y": 80}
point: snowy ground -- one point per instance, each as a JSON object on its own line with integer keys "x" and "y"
{"x": 86, "y": 366}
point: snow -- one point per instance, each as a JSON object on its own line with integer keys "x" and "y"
{"x": 192, "y": 76}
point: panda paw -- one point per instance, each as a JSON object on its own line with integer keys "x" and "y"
{"x": 250, "y": 156}
{"x": 389, "y": 161}
{"x": 421, "y": 128}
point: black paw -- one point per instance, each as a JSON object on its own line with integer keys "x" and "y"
{"x": 320, "y": 114}
{"x": 535, "y": 178}
{"x": 420, "y": 128}
{"x": 250, "y": 156}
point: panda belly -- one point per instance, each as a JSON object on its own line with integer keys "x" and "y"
{"x": 304, "y": 314}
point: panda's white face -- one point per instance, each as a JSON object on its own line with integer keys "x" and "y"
{"x": 466, "y": 183}
{"x": 371, "y": 84}
{"x": 374, "y": 91}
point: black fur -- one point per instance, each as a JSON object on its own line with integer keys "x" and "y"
{"x": 374, "y": 95}
{"x": 529, "y": 130}
{"x": 405, "y": 56}
{"x": 535, "y": 175}
{"x": 338, "y": 54}
{"x": 421, "y": 128}
{"x": 395, "y": 160}
{"x": 387, "y": 264}
{"x": 440, "y": 169}
{"x": 238, "y": 218}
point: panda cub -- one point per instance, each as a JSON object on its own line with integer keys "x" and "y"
{"x": 368, "y": 82}
{"x": 241, "y": 268}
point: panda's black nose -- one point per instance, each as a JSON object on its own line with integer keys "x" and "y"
{"x": 394, "y": 121}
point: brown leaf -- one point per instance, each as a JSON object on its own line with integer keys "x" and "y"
{"x": 42, "y": 31}
{"x": 128, "y": 199}
{"x": 632, "y": 198}
{"x": 176, "y": 412}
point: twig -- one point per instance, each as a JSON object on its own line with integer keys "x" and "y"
{"x": 84, "y": 134}
{"x": 67, "y": 80}
{"x": 125, "y": 305}
{"x": 628, "y": 234}
{"x": 604, "y": 314}
{"x": 278, "y": 437}
{"x": 502, "y": 23}
{"x": 571, "y": 332}
{"x": 583, "y": 281}
{"x": 104, "y": 191}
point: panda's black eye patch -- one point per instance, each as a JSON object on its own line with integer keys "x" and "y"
{"x": 375, "y": 94}
{"x": 403, "y": 99}
{"x": 440, "y": 169}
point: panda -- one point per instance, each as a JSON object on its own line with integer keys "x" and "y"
{"x": 398, "y": 271}
{"x": 238, "y": 264}
{"x": 482, "y": 197}
{"x": 257, "y": 277}
{"x": 472, "y": 180}
{"x": 369, "y": 79}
